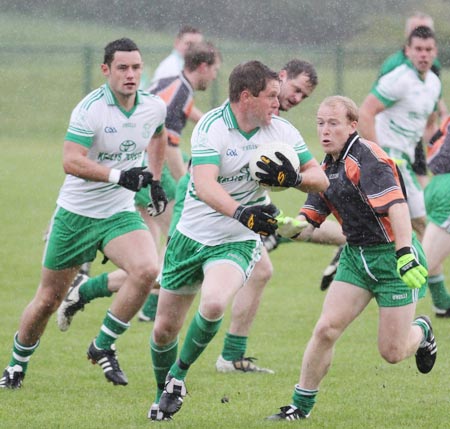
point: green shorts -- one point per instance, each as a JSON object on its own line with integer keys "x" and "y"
{"x": 186, "y": 260}
{"x": 180, "y": 195}
{"x": 437, "y": 201}
{"x": 374, "y": 268}
{"x": 74, "y": 239}
{"x": 169, "y": 184}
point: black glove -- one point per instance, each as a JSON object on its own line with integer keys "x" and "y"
{"x": 260, "y": 219}
{"x": 135, "y": 178}
{"x": 284, "y": 175}
{"x": 159, "y": 199}
{"x": 270, "y": 242}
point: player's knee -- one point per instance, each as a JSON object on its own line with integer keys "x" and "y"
{"x": 145, "y": 274}
{"x": 213, "y": 309}
{"x": 47, "y": 304}
{"x": 164, "y": 333}
{"x": 391, "y": 353}
{"x": 326, "y": 332}
{"x": 262, "y": 272}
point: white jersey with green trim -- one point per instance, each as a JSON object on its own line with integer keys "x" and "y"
{"x": 116, "y": 139}
{"x": 217, "y": 140}
{"x": 409, "y": 101}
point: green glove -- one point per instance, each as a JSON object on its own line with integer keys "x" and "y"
{"x": 409, "y": 269}
{"x": 289, "y": 227}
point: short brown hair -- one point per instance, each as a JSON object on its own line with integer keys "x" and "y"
{"x": 253, "y": 76}
{"x": 198, "y": 53}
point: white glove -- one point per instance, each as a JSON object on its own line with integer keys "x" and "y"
{"x": 289, "y": 227}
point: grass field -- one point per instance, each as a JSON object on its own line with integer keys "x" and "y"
{"x": 63, "y": 390}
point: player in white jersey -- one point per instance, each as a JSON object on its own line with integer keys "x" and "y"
{"x": 217, "y": 243}
{"x": 108, "y": 133}
{"x": 397, "y": 111}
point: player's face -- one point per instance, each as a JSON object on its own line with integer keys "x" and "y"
{"x": 124, "y": 75}
{"x": 333, "y": 128}
{"x": 422, "y": 53}
{"x": 186, "y": 41}
{"x": 294, "y": 91}
{"x": 209, "y": 73}
{"x": 265, "y": 104}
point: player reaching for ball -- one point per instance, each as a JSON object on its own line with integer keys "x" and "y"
{"x": 381, "y": 259}
{"x": 219, "y": 253}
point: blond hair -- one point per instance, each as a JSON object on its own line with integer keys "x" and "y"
{"x": 351, "y": 109}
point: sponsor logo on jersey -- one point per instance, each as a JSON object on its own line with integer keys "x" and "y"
{"x": 231, "y": 152}
{"x": 127, "y": 146}
{"x": 129, "y": 125}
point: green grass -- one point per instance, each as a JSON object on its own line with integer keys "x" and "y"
{"x": 62, "y": 390}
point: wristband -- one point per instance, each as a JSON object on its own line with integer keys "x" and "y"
{"x": 403, "y": 251}
{"x": 238, "y": 212}
{"x": 114, "y": 175}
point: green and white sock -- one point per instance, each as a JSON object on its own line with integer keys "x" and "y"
{"x": 21, "y": 354}
{"x": 425, "y": 330}
{"x": 439, "y": 294}
{"x": 95, "y": 287}
{"x": 304, "y": 399}
{"x": 200, "y": 333}
{"x": 234, "y": 346}
{"x": 162, "y": 358}
{"x": 111, "y": 329}
{"x": 149, "y": 308}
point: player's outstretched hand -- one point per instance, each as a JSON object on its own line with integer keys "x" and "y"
{"x": 158, "y": 197}
{"x": 284, "y": 175}
{"x": 289, "y": 227}
{"x": 409, "y": 269}
{"x": 260, "y": 218}
{"x": 135, "y": 178}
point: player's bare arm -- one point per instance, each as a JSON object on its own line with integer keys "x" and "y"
{"x": 76, "y": 163}
{"x": 195, "y": 114}
{"x": 175, "y": 162}
{"x": 402, "y": 230}
{"x": 156, "y": 151}
{"x": 432, "y": 126}
{"x": 370, "y": 107}
{"x": 313, "y": 177}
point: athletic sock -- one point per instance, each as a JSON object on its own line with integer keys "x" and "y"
{"x": 200, "y": 333}
{"x": 109, "y": 332}
{"x": 234, "y": 346}
{"x": 149, "y": 308}
{"x": 21, "y": 354}
{"x": 439, "y": 294}
{"x": 425, "y": 330}
{"x": 304, "y": 399}
{"x": 163, "y": 357}
{"x": 95, "y": 287}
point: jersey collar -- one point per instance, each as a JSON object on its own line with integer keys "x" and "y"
{"x": 231, "y": 122}
{"x": 112, "y": 100}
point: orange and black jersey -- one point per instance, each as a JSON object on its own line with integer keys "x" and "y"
{"x": 177, "y": 93}
{"x": 364, "y": 183}
{"x": 438, "y": 150}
